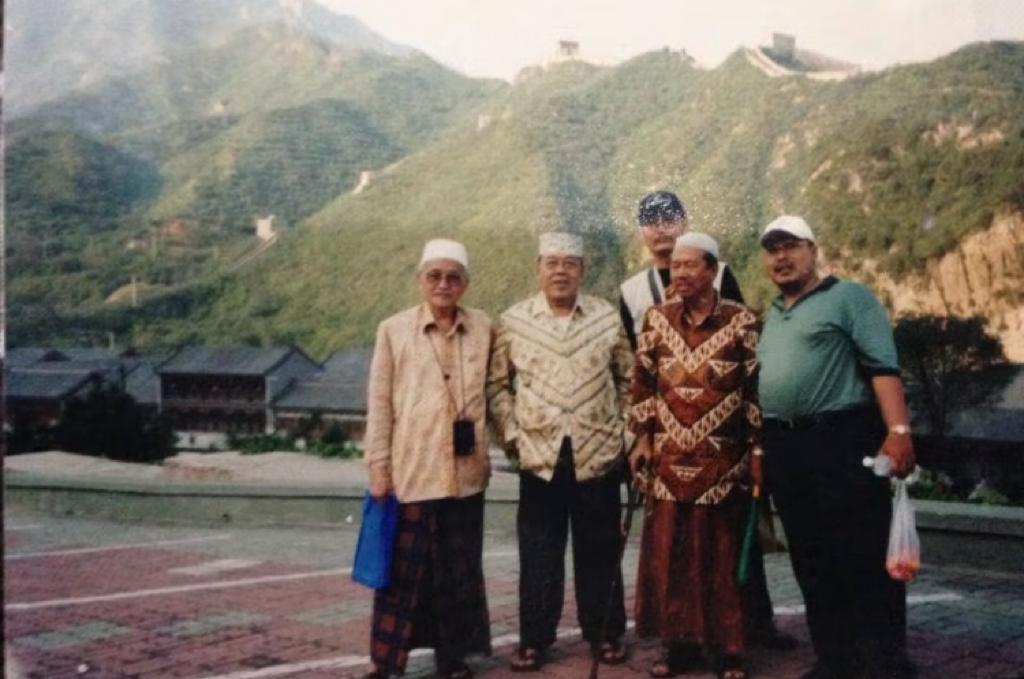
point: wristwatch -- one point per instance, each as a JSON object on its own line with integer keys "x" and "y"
{"x": 901, "y": 429}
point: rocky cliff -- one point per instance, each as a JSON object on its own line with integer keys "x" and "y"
{"x": 983, "y": 276}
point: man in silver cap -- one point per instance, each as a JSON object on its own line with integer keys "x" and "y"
{"x": 426, "y": 442}
{"x": 697, "y": 425}
{"x": 557, "y": 389}
{"x": 661, "y": 220}
{"x": 831, "y": 395}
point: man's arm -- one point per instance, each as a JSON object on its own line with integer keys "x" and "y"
{"x": 640, "y": 418}
{"x": 500, "y": 395}
{"x": 379, "y": 417}
{"x": 751, "y": 401}
{"x": 627, "y": 322}
{"x": 891, "y": 401}
{"x": 871, "y": 333}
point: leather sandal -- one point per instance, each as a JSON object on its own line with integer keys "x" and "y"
{"x": 661, "y": 669}
{"x": 526, "y": 660}
{"x": 732, "y": 668}
{"x": 610, "y": 652}
{"x": 459, "y": 672}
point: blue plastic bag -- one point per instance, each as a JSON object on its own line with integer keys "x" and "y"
{"x": 372, "y": 565}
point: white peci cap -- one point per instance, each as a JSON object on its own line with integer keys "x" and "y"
{"x": 700, "y": 241}
{"x": 442, "y": 248}
{"x": 560, "y": 243}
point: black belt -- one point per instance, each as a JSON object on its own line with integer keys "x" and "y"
{"x": 813, "y": 420}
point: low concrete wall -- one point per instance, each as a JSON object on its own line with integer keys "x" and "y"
{"x": 952, "y": 533}
{"x": 206, "y": 504}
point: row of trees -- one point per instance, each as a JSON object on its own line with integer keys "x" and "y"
{"x": 106, "y": 422}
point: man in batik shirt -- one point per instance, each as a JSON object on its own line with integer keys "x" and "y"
{"x": 697, "y": 422}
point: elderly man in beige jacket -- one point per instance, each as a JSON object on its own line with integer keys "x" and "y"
{"x": 426, "y": 441}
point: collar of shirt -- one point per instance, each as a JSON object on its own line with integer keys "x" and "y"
{"x": 425, "y": 320}
{"x": 541, "y": 307}
{"x": 823, "y": 285}
{"x": 713, "y": 316}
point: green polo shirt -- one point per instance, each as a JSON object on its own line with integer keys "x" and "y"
{"x": 820, "y": 354}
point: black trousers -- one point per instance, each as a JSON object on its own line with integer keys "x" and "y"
{"x": 836, "y": 516}
{"x": 758, "y": 613}
{"x": 546, "y": 509}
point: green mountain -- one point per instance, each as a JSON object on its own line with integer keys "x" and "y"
{"x": 894, "y": 168}
{"x": 129, "y": 182}
{"x": 266, "y": 68}
{"x": 56, "y": 47}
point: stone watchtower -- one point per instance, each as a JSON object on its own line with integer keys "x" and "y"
{"x": 568, "y": 49}
{"x": 783, "y": 46}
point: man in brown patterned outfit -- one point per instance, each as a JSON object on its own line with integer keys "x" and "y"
{"x": 697, "y": 421}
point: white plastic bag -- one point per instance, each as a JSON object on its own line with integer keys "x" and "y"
{"x": 903, "y": 559}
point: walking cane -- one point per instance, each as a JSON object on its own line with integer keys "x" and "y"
{"x": 749, "y": 534}
{"x": 633, "y": 497}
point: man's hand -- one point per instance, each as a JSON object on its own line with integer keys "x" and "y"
{"x": 757, "y": 469}
{"x": 900, "y": 450}
{"x": 640, "y": 456}
{"x": 893, "y": 404}
{"x": 380, "y": 482}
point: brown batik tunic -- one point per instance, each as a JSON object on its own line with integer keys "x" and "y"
{"x": 695, "y": 396}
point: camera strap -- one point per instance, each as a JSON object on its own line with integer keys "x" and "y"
{"x": 459, "y": 412}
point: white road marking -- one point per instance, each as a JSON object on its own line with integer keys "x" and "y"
{"x": 214, "y": 567}
{"x": 22, "y": 527}
{"x": 222, "y": 584}
{"x": 109, "y": 548}
{"x": 343, "y": 661}
{"x": 911, "y": 600}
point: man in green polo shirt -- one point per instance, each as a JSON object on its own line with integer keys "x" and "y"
{"x": 831, "y": 394}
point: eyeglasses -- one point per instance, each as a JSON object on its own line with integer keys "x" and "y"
{"x": 774, "y": 247}
{"x": 452, "y": 278}
{"x": 567, "y": 263}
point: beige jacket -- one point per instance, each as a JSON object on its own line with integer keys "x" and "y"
{"x": 548, "y": 380}
{"x": 411, "y": 410}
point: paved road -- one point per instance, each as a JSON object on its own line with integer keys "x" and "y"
{"x": 95, "y": 599}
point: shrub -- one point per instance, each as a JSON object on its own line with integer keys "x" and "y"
{"x": 107, "y": 422}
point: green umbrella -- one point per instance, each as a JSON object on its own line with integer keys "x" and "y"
{"x": 749, "y": 535}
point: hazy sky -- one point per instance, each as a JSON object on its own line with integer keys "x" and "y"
{"x": 495, "y": 38}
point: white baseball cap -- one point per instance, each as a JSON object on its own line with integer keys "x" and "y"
{"x": 791, "y": 224}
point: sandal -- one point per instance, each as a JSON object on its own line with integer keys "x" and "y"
{"x": 678, "y": 658}
{"x": 733, "y": 673}
{"x": 732, "y": 668}
{"x": 661, "y": 670}
{"x": 460, "y": 672}
{"x": 610, "y": 652}
{"x": 526, "y": 660}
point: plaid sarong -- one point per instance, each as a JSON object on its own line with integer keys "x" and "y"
{"x": 436, "y": 597}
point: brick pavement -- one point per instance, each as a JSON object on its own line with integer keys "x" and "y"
{"x": 254, "y": 604}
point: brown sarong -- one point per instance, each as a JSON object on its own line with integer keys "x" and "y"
{"x": 687, "y": 587}
{"x": 436, "y": 596}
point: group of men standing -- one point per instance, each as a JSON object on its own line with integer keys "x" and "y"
{"x": 682, "y": 392}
